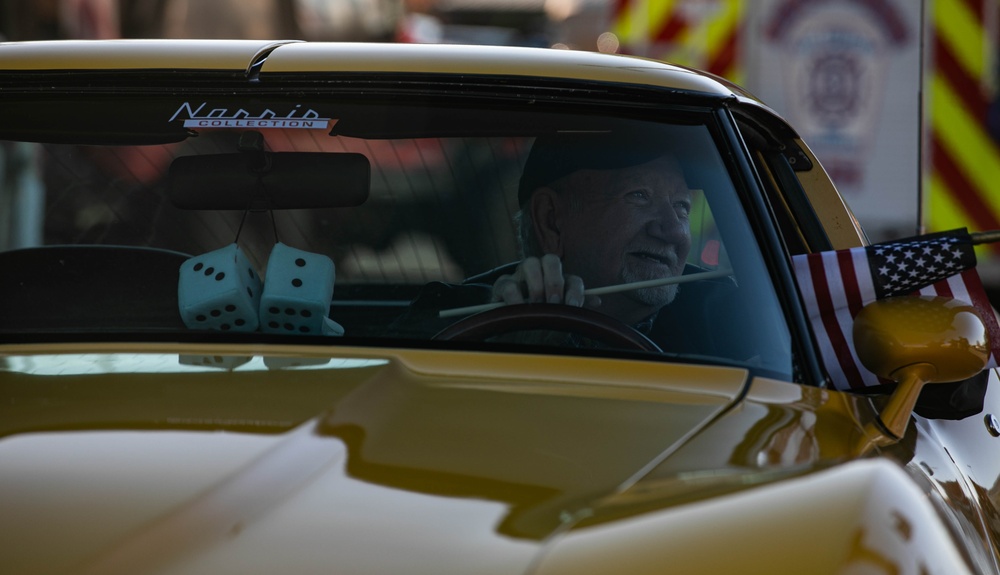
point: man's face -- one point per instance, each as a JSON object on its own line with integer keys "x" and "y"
{"x": 627, "y": 225}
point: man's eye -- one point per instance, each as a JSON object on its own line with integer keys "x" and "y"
{"x": 683, "y": 208}
{"x": 638, "y": 195}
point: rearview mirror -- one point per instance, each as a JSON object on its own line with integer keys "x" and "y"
{"x": 915, "y": 341}
{"x": 269, "y": 181}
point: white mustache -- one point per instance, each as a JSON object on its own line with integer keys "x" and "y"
{"x": 668, "y": 256}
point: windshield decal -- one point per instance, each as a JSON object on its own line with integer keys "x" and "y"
{"x": 201, "y": 116}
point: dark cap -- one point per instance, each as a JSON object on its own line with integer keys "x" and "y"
{"x": 553, "y": 156}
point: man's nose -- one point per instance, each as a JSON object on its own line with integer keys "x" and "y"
{"x": 667, "y": 224}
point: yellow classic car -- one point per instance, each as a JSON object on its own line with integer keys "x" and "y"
{"x": 291, "y": 307}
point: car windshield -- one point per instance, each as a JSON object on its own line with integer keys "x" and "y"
{"x": 374, "y": 222}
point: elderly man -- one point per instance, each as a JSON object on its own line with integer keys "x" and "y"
{"x": 597, "y": 209}
{"x": 600, "y": 210}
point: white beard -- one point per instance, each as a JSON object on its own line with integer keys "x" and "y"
{"x": 653, "y": 296}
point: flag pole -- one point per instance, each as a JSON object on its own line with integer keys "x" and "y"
{"x": 671, "y": 280}
{"x": 989, "y": 237}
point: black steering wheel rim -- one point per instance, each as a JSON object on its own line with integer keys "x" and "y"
{"x": 555, "y": 317}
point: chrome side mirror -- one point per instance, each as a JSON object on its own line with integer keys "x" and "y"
{"x": 914, "y": 341}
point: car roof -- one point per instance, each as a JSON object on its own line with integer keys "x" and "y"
{"x": 52, "y": 55}
{"x": 55, "y": 67}
{"x": 309, "y": 57}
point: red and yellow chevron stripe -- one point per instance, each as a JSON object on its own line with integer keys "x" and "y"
{"x": 698, "y": 34}
{"x": 963, "y": 183}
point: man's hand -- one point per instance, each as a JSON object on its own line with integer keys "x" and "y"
{"x": 538, "y": 280}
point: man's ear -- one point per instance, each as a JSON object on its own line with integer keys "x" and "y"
{"x": 546, "y": 209}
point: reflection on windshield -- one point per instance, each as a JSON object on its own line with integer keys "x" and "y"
{"x": 105, "y": 364}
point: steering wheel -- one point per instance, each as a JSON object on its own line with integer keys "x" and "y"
{"x": 555, "y": 317}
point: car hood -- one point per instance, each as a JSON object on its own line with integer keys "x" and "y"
{"x": 188, "y": 460}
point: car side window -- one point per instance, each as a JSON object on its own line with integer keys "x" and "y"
{"x": 796, "y": 220}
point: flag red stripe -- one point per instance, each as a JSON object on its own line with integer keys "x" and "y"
{"x": 828, "y": 316}
{"x": 845, "y": 259}
{"x": 943, "y": 289}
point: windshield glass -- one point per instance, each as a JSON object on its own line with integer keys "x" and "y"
{"x": 385, "y": 224}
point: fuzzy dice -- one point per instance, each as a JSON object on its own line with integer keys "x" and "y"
{"x": 298, "y": 290}
{"x": 219, "y": 290}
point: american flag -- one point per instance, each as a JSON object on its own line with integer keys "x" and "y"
{"x": 835, "y": 285}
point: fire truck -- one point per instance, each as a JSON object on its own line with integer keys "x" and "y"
{"x": 897, "y": 97}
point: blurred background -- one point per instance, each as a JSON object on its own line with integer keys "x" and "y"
{"x": 898, "y": 98}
